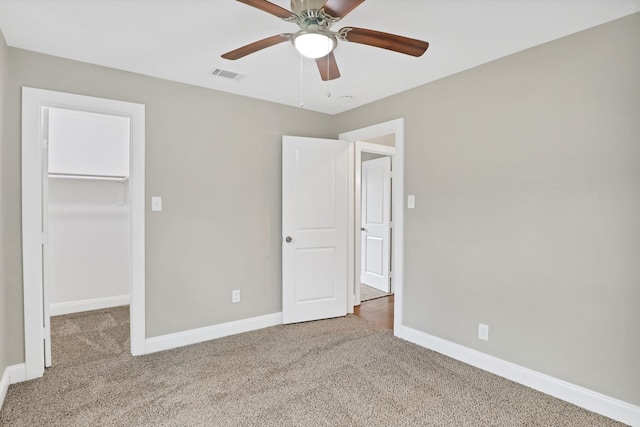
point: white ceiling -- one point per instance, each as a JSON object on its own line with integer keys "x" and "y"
{"x": 182, "y": 40}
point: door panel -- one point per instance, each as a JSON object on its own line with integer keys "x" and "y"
{"x": 314, "y": 226}
{"x": 314, "y": 274}
{"x": 375, "y": 223}
{"x": 374, "y": 249}
{"x": 374, "y": 192}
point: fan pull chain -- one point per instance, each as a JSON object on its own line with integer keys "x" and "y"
{"x": 328, "y": 72}
{"x": 301, "y": 86}
{"x": 329, "y": 79}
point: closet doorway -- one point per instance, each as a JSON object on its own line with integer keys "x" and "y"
{"x": 83, "y": 213}
{"x": 86, "y": 219}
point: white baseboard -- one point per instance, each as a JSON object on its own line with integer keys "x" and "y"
{"x": 61, "y": 308}
{"x": 11, "y": 375}
{"x": 579, "y": 396}
{"x": 194, "y": 336}
{"x": 4, "y": 386}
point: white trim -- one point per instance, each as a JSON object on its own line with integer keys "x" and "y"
{"x": 580, "y": 396}
{"x": 11, "y": 375}
{"x": 353, "y": 292}
{"x": 33, "y": 101}
{"x": 61, "y": 308}
{"x": 395, "y": 127}
{"x": 376, "y": 148}
{"x": 194, "y": 336}
{"x": 4, "y": 386}
{"x": 17, "y": 373}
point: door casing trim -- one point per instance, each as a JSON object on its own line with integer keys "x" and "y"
{"x": 33, "y": 101}
{"x": 396, "y": 128}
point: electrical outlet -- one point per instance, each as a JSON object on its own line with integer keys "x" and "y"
{"x": 235, "y": 296}
{"x": 483, "y": 331}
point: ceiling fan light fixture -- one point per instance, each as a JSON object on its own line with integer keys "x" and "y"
{"x": 314, "y": 44}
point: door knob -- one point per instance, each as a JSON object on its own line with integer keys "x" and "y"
{"x": 288, "y": 239}
{"x": 363, "y": 229}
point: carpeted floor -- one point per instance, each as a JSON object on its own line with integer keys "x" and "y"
{"x": 368, "y": 293}
{"x": 339, "y": 372}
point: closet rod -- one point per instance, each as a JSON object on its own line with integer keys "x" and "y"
{"x": 95, "y": 177}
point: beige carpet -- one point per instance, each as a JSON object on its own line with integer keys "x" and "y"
{"x": 340, "y": 372}
{"x": 368, "y": 293}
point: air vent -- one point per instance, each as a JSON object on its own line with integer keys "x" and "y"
{"x": 228, "y": 74}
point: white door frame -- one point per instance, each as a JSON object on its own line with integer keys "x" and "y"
{"x": 396, "y": 128}
{"x": 33, "y": 101}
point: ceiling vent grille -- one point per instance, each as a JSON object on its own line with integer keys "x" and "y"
{"x": 227, "y": 74}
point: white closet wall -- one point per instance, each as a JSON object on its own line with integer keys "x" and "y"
{"x": 88, "y": 216}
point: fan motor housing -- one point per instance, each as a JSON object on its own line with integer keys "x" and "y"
{"x": 298, "y": 6}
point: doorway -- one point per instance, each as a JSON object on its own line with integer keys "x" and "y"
{"x": 334, "y": 287}
{"x": 36, "y": 105}
{"x": 86, "y": 219}
{"x": 376, "y": 291}
{"x": 385, "y": 139}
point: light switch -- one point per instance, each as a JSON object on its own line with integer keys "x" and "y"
{"x": 156, "y": 203}
{"x": 411, "y": 201}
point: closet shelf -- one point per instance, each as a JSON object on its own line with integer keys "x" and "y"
{"x": 94, "y": 177}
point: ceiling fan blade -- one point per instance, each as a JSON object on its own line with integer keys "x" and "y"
{"x": 340, "y": 8}
{"x": 268, "y": 7}
{"x": 388, "y": 41}
{"x": 328, "y": 67}
{"x": 256, "y": 46}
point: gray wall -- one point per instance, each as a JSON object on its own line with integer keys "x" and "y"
{"x": 526, "y": 172}
{"x": 215, "y": 160}
{"x": 3, "y": 290}
{"x": 369, "y": 156}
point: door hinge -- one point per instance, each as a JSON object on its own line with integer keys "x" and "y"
{"x": 45, "y": 238}
{"x": 45, "y": 142}
{"x": 46, "y": 332}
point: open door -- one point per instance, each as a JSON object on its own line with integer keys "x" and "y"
{"x": 45, "y": 239}
{"x": 314, "y": 227}
{"x": 375, "y": 223}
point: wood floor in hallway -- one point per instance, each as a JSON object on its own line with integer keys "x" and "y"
{"x": 378, "y": 311}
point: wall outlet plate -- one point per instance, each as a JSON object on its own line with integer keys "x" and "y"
{"x": 235, "y": 296}
{"x": 483, "y": 331}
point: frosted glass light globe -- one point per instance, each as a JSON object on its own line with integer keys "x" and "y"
{"x": 314, "y": 45}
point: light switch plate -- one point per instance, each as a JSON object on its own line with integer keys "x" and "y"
{"x": 411, "y": 201}
{"x": 156, "y": 203}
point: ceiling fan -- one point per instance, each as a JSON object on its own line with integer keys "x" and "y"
{"x": 315, "y": 38}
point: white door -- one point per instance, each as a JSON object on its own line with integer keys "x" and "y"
{"x": 314, "y": 228}
{"x": 375, "y": 223}
{"x": 45, "y": 238}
